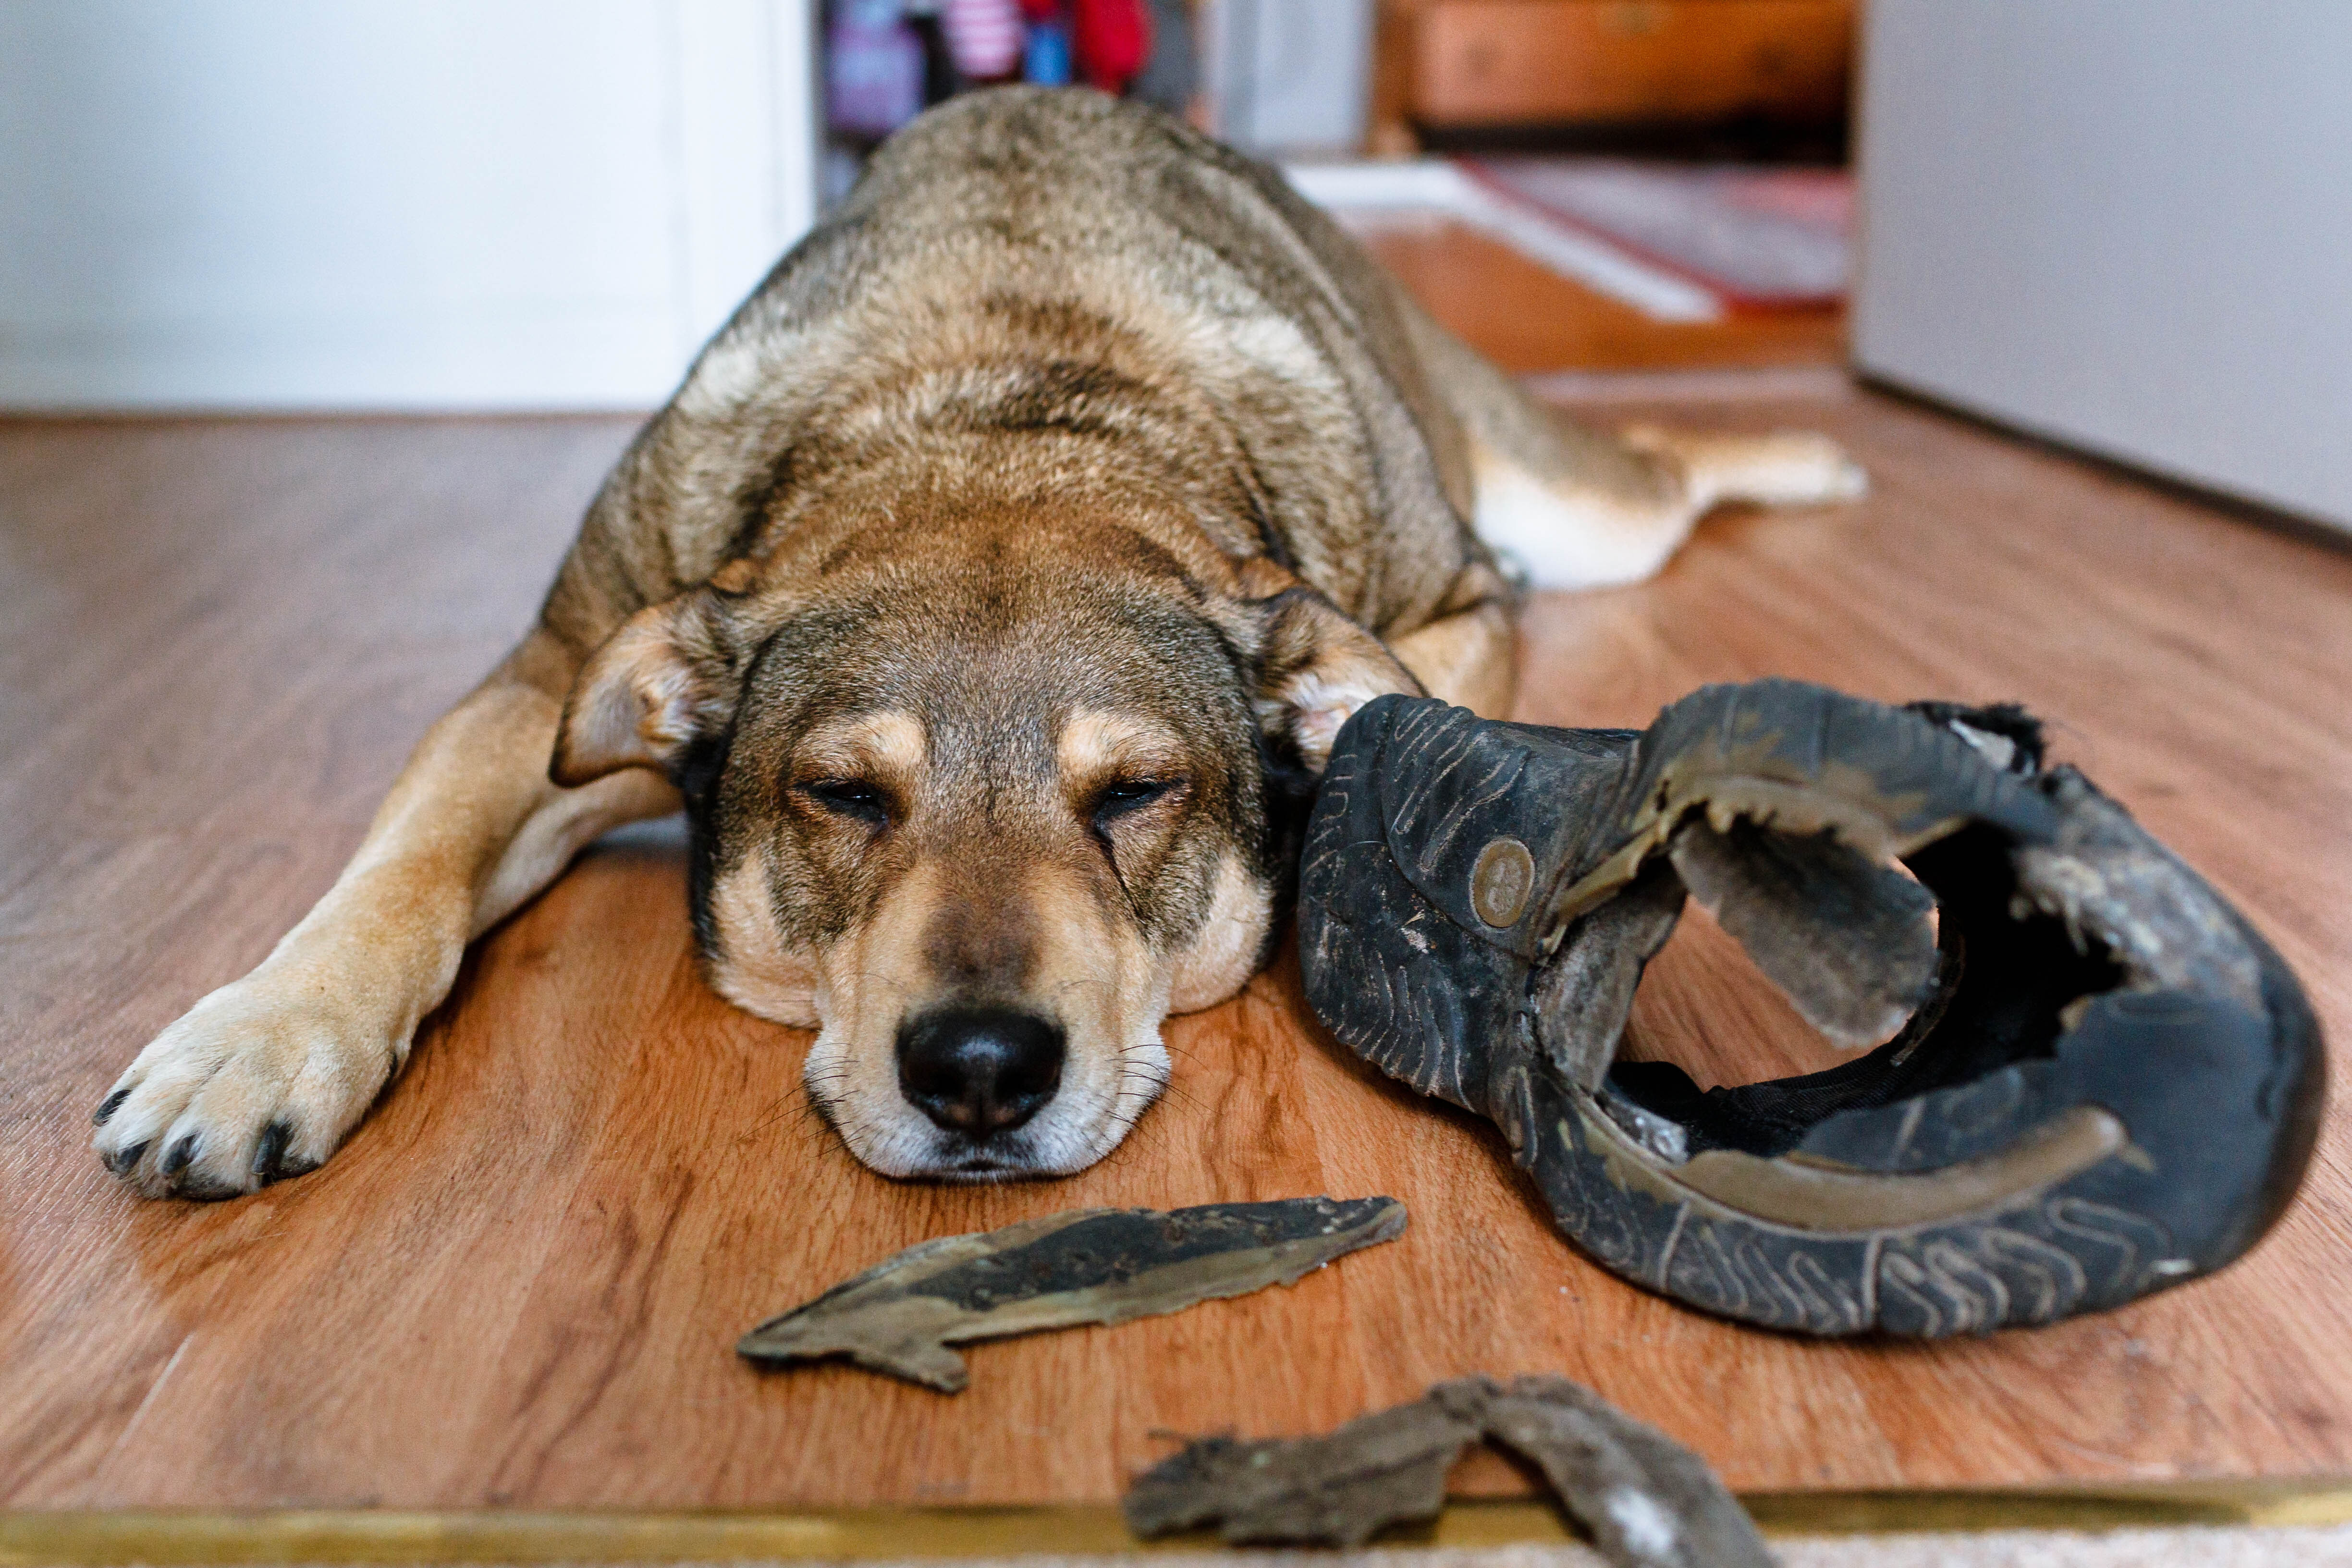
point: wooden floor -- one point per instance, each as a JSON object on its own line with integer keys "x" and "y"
{"x": 1529, "y": 318}
{"x": 521, "y": 1283}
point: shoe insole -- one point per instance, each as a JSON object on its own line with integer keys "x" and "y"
{"x": 1848, "y": 940}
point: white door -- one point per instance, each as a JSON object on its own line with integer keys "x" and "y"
{"x": 389, "y": 203}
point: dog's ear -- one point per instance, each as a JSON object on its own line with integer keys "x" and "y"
{"x": 1314, "y": 669}
{"x": 666, "y": 678}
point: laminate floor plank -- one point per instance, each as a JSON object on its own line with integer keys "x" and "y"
{"x": 1530, "y": 318}
{"x": 521, "y": 1282}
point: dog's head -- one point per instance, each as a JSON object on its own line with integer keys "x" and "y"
{"x": 982, "y": 795}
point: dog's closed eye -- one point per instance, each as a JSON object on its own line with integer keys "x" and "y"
{"x": 852, "y": 798}
{"x": 1122, "y": 796}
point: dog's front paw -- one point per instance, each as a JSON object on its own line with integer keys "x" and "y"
{"x": 260, "y": 1079}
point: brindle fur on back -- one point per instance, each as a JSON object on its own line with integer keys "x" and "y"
{"x": 1031, "y": 262}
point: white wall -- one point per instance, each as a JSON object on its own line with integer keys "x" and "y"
{"x": 389, "y": 203}
{"x": 1289, "y": 76}
{"x": 2124, "y": 224}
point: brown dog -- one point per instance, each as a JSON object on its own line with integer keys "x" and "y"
{"x": 989, "y": 594}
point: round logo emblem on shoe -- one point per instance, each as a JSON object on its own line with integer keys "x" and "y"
{"x": 1501, "y": 881}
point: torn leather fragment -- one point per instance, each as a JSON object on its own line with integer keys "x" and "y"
{"x": 2083, "y": 1077}
{"x": 1334, "y": 1491}
{"x": 1085, "y": 1266}
{"x": 1648, "y": 1501}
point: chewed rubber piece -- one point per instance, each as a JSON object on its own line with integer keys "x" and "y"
{"x": 1085, "y": 1266}
{"x": 1648, "y": 1502}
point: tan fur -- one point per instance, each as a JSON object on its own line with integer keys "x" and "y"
{"x": 869, "y": 979}
{"x": 1784, "y": 467}
{"x": 753, "y": 968}
{"x": 1581, "y": 508}
{"x": 640, "y": 696}
{"x": 1226, "y": 954}
{"x": 888, "y": 747}
{"x": 1095, "y": 745}
{"x": 1465, "y": 656}
{"x": 1072, "y": 469}
{"x": 1113, "y": 990}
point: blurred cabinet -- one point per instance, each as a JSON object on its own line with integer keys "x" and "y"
{"x": 1463, "y": 64}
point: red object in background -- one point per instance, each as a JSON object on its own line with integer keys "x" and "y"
{"x": 1113, "y": 39}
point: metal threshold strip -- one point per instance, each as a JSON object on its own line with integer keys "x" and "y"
{"x": 168, "y": 1538}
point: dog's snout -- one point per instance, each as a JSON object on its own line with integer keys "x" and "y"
{"x": 978, "y": 1070}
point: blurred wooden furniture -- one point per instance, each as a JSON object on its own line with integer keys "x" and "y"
{"x": 1489, "y": 64}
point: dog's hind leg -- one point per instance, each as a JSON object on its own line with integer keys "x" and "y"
{"x": 1583, "y": 509}
{"x": 1784, "y": 467}
{"x": 266, "y": 1076}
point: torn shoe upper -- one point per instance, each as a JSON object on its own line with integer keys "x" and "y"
{"x": 2100, "y": 1080}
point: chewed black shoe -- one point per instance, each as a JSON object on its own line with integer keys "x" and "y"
{"x": 2095, "y": 1079}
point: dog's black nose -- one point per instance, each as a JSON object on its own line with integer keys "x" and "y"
{"x": 979, "y": 1069}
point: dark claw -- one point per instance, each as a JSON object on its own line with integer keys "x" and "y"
{"x": 122, "y": 1162}
{"x": 268, "y": 1159}
{"x": 109, "y": 1106}
{"x": 176, "y": 1158}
